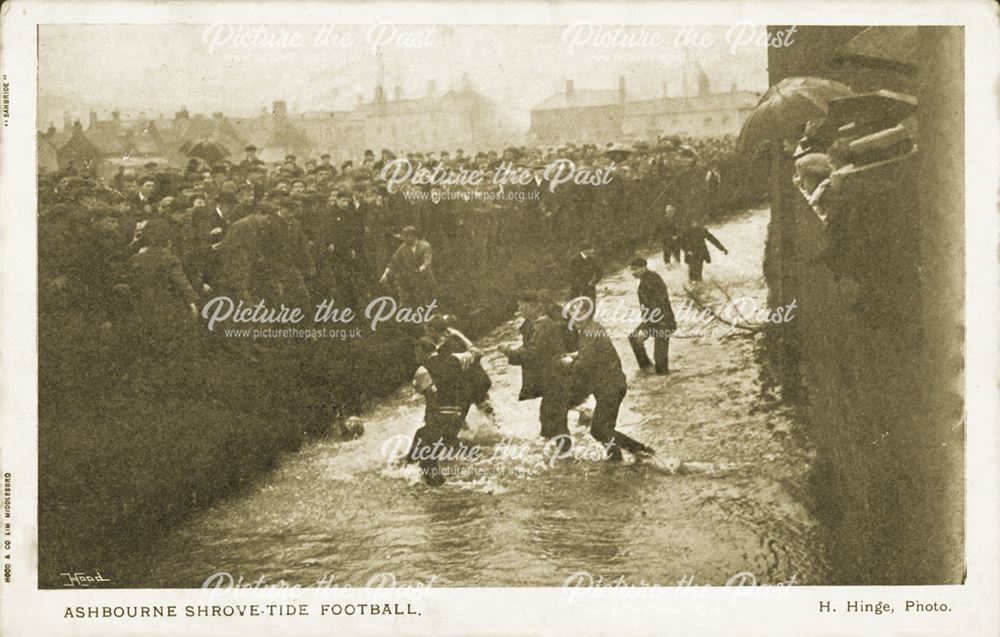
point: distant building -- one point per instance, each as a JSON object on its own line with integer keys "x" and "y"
{"x": 48, "y": 159}
{"x": 460, "y": 118}
{"x": 275, "y": 134}
{"x": 456, "y": 119}
{"x": 72, "y": 147}
{"x": 602, "y": 116}
{"x": 184, "y": 127}
{"x": 587, "y": 115}
{"x": 710, "y": 115}
{"x": 335, "y": 132}
{"x": 126, "y": 143}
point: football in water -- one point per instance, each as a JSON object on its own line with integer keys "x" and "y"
{"x": 350, "y": 429}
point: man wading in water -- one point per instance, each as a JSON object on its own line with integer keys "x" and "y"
{"x": 546, "y": 338}
{"x": 596, "y": 369}
{"x": 444, "y": 380}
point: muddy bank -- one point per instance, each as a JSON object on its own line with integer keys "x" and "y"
{"x": 340, "y": 511}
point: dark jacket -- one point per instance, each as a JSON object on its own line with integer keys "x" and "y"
{"x": 477, "y": 382}
{"x": 453, "y": 382}
{"x": 694, "y": 244}
{"x": 598, "y": 368}
{"x": 161, "y": 291}
{"x": 584, "y": 273}
{"x": 544, "y": 344}
{"x": 653, "y": 295}
{"x": 240, "y": 275}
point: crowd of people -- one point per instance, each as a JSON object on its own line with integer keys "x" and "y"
{"x": 297, "y": 233}
{"x": 144, "y": 251}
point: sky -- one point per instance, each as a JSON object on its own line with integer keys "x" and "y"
{"x": 241, "y": 69}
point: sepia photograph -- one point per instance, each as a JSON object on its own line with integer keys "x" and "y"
{"x": 608, "y": 307}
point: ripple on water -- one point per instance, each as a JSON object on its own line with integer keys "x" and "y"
{"x": 339, "y": 510}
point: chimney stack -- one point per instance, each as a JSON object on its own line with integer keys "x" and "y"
{"x": 431, "y": 88}
{"x": 666, "y": 91}
{"x": 280, "y": 109}
{"x": 379, "y": 94}
{"x": 67, "y": 121}
{"x": 621, "y": 88}
{"x": 115, "y": 115}
{"x": 569, "y": 89}
{"x": 93, "y": 118}
{"x": 399, "y": 92}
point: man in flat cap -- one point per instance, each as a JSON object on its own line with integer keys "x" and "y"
{"x": 251, "y": 159}
{"x": 325, "y": 166}
{"x": 584, "y": 273}
{"x": 657, "y": 318}
{"x": 410, "y": 270}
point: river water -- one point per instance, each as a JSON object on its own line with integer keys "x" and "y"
{"x": 337, "y": 513}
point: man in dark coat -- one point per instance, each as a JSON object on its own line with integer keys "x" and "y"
{"x": 695, "y": 251}
{"x": 245, "y": 203}
{"x": 410, "y": 269}
{"x": 443, "y": 380}
{"x": 240, "y": 275}
{"x": 325, "y": 166}
{"x": 449, "y": 340}
{"x": 198, "y": 228}
{"x": 163, "y": 301}
{"x": 349, "y": 255}
{"x": 251, "y": 160}
{"x": 144, "y": 200}
{"x": 657, "y": 318}
{"x": 584, "y": 273}
{"x": 542, "y": 374}
{"x": 285, "y": 255}
{"x": 597, "y": 370}
{"x": 670, "y": 235}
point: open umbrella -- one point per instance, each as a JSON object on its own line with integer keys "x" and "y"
{"x": 618, "y": 153}
{"x": 206, "y": 149}
{"x": 786, "y": 107}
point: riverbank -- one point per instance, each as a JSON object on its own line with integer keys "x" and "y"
{"x": 151, "y": 430}
{"x": 338, "y": 510}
